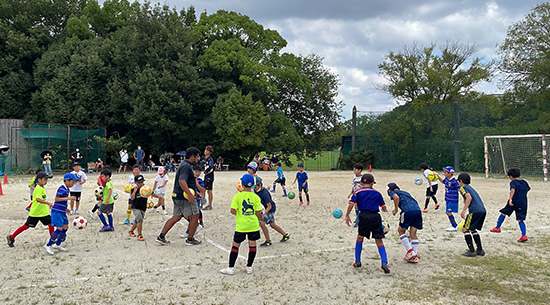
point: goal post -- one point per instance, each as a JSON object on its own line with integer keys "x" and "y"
{"x": 526, "y": 152}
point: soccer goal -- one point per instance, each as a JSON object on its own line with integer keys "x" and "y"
{"x": 526, "y": 152}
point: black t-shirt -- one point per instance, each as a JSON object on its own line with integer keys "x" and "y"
{"x": 140, "y": 202}
{"x": 185, "y": 172}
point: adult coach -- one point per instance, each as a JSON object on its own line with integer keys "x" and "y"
{"x": 185, "y": 182}
{"x": 138, "y": 155}
{"x": 123, "y": 159}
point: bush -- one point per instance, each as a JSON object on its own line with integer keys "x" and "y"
{"x": 361, "y": 156}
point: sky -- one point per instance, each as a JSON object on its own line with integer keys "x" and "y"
{"x": 353, "y": 36}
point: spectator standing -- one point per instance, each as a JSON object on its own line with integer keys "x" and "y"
{"x": 138, "y": 155}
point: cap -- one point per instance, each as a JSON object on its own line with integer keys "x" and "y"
{"x": 76, "y": 163}
{"x": 247, "y": 180}
{"x": 258, "y": 180}
{"x": 253, "y": 165}
{"x": 139, "y": 178}
{"x": 301, "y": 164}
{"x": 450, "y": 169}
{"x": 70, "y": 176}
{"x": 391, "y": 186}
{"x": 161, "y": 170}
{"x": 367, "y": 179}
{"x": 41, "y": 175}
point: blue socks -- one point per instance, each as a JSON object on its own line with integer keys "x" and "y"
{"x": 110, "y": 217}
{"x": 452, "y": 220}
{"x": 383, "y": 255}
{"x": 500, "y": 220}
{"x": 358, "y": 249}
{"x": 102, "y": 218}
{"x": 53, "y": 237}
{"x": 62, "y": 236}
{"x": 523, "y": 228}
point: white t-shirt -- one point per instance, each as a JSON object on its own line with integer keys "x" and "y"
{"x": 123, "y": 157}
{"x": 426, "y": 173}
{"x": 356, "y": 183}
{"x": 78, "y": 187}
{"x": 160, "y": 181}
{"x": 131, "y": 181}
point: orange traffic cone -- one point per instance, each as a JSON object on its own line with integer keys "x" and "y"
{"x": 370, "y": 168}
{"x": 5, "y": 178}
{"x": 1, "y": 192}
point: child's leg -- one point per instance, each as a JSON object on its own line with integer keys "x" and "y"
{"x": 18, "y": 231}
{"x": 265, "y": 231}
{"x": 500, "y": 220}
{"x": 128, "y": 213}
{"x": 307, "y": 196}
{"x": 77, "y": 205}
{"x": 274, "y": 184}
{"x": 358, "y": 248}
{"x": 382, "y": 251}
{"x": 477, "y": 240}
{"x": 522, "y": 227}
{"x": 251, "y": 252}
{"x": 72, "y": 206}
{"x": 426, "y": 202}
{"x": 469, "y": 241}
{"x": 300, "y": 197}
{"x": 452, "y": 219}
{"x": 140, "y": 227}
{"x": 102, "y": 218}
{"x": 54, "y": 236}
{"x": 63, "y": 235}
{"x": 234, "y": 254}
{"x": 414, "y": 239}
{"x": 284, "y": 190}
{"x": 110, "y": 218}
{"x": 277, "y": 228}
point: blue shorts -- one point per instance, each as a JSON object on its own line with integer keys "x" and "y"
{"x": 521, "y": 211}
{"x": 451, "y": 207}
{"x": 59, "y": 219}
{"x": 411, "y": 219}
{"x": 269, "y": 217}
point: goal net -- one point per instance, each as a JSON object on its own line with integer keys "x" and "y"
{"x": 526, "y": 152}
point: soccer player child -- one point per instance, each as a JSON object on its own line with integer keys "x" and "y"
{"x": 59, "y": 214}
{"x": 355, "y": 185}
{"x": 106, "y": 206}
{"x": 475, "y": 218}
{"x": 410, "y": 218}
{"x": 208, "y": 175}
{"x": 251, "y": 168}
{"x": 247, "y": 207}
{"x": 76, "y": 190}
{"x": 136, "y": 170}
{"x": 280, "y": 179}
{"x": 40, "y": 209}
{"x": 32, "y": 185}
{"x": 268, "y": 214}
{"x": 302, "y": 178}
{"x": 431, "y": 187}
{"x": 139, "y": 206}
{"x": 159, "y": 189}
{"x": 451, "y": 195}
{"x": 517, "y": 202}
{"x": 368, "y": 202}
{"x": 99, "y": 199}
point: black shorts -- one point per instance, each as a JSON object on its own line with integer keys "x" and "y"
{"x": 430, "y": 193}
{"x": 474, "y": 221}
{"x": 33, "y": 221}
{"x": 370, "y": 223}
{"x": 123, "y": 163}
{"x": 77, "y": 195}
{"x": 521, "y": 211}
{"x": 281, "y": 181}
{"x": 239, "y": 237}
{"x": 208, "y": 182}
{"x": 303, "y": 189}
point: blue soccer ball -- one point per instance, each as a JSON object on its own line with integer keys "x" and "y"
{"x": 418, "y": 181}
{"x": 337, "y": 213}
{"x": 385, "y": 226}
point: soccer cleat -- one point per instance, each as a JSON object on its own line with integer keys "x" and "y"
{"x": 105, "y": 228}
{"x": 413, "y": 260}
{"x": 162, "y": 240}
{"x": 410, "y": 254}
{"x": 111, "y": 229}
{"x": 301, "y": 203}
{"x": 11, "y": 241}
{"x": 273, "y": 191}
{"x": 480, "y": 252}
{"x": 248, "y": 270}
{"x": 208, "y": 207}
{"x": 266, "y": 243}
{"x": 357, "y": 264}
{"x": 228, "y": 270}
{"x": 76, "y": 212}
{"x": 91, "y": 214}
{"x": 127, "y": 221}
{"x": 451, "y": 229}
{"x": 49, "y": 249}
{"x": 192, "y": 242}
{"x": 495, "y": 230}
{"x": 285, "y": 238}
{"x": 436, "y": 206}
{"x": 285, "y": 195}
{"x": 164, "y": 212}
{"x": 184, "y": 235}
{"x": 308, "y": 203}
{"x": 469, "y": 253}
{"x": 140, "y": 237}
{"x": 425, "y": 211}
{"x": 201, "y": 224}
{"x": 154, "y": 210}
{"x": 522, "y": 239}
{"x": 59, "y": 248}
{"x": 132, "y": 234}
{"x": 385, "y": 268}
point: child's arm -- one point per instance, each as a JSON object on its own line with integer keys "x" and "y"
{"x": 109, "y": 196}
{"x": 395, "y": 198}
{"x": 512, "y": 192}
{"x": 305, "y": 182}
{"x": 268, "y": 208}
{"x": 155, "y": 186}
{"x": 44, "y": 202}
{"x": 467, "y": 201}
{"x": 233, "y": 211}
{"x": 350, "y": 206}
{"x": 82, "y": 181}
{"x": 164, "y": 184}
{"x": 259, "y": 215}
{"x": 134, "y": 191}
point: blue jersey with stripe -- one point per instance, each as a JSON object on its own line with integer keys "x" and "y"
{"x": 302, "y": 177}
{"x": 451, "y": 190}
{"x": 406, "y": 201}
{"x": 61, "y": 206}
{"x": 367, "y": 199}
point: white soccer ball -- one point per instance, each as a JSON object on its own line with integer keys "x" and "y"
{"x": 80, "y": 222}
{"x": 418, "y": 181}
{"x": 115, "y": 195}
{"x": 99, "y": 191}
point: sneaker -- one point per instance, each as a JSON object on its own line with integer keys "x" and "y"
{"x": 522, "y": 239}
{"x": 59, "y": 248}
{"x": 164, "y": 212}
{"x": 111, "y": 228}
{"x": 184, "y": 235}
{"x": 48, "y": 249}
{"x": 410, "y": 254}
{"x": 140, "y": 237}
{"x": 105, "y": 228}
{"x": 91, "y": 214}
{"x": 266, "y": 243}
{"x": 436, "y": 206}
{"x": 162, "y": 240}
{"x": 72, "y": 212}
{"x": 425, "y": 211}
{"x": 285, "y": 195}
{"x": 127, "y": 221}
{"x": 192, "y": 242}
{"x": 308, "y": 203}
{"x": 495, "y": 230}
{"x": 154, "y": 210}
{"x": 248, "y": 270}
{"x": 76, "y": 212}
{"x": 480, "y": 252}
{"x": 228, "y": 270}
{"x": 385, "y": 268}
{"x": 208, "y": 207}
{"x": 413, "y": 260}
{"x": 285, "y": 238}
{"x": 201, "y": 224}
{"x": 451, "y": 229}
{"x": 273, "y": 191}
{"x": 11, "y": 241}
{"x": 132, "y": 234}
{"x": 469, "y": 253}
{"x": 357, "y": 264}
{"x": 301, "y": 203}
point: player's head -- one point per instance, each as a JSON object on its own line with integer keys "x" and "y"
{"x": 139, "y": 180}
{"x": 106, "y": 174}
{"x": 357, "y": 168}
{"x": 514, "y": 173}
{"x": 208, "y": 150}
{"x": 42, "y": 178}
{"x": 192, "y": 154}
{"x": 448, "y": 171}
{"x": 278, "y": 164}
{"x": 70, "y": 179}
{"x": 300, "y": 166}
{"x": 367, "y": 180}
{"x": 37, "y": 171}
{"x": 161, "y": 171}
{"x": 259, "y": 184}
{"x": 76, "y": 166}
{"x": 392, "y": 187}
{"x": 248, "y": 181}
{"x": 197, "y": 170}
{"x": 136, "y": 170}
{"x": 464, "y": 178}
{"x": 252, "y": 167}
{"x": 423, "y": 166}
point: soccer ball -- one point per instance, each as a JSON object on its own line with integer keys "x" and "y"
{"x": 99, "y": 191}
{"x": 150, "y": 204}
{"x": 460, "y": 226}
{"x": 418, "y": 181}
{"x": 291, "y": 195}
{"x": 433, "y": 176}
{"x": 337, "y": 213}
{"x": 128, "y": 188}
{"x": 385, "y": 227}
{"x": 145, "y": 191}
{"x": 185, "y": 194}
{"x": 240, "y": 187}
{"x": 115, "y": 195}
{"x": 79, "y": 222}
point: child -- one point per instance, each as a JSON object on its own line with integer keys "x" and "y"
{"x": 410, "y": 218}
{"x": 99, "y": 199}
{"x": 355, "y": 185}
{"x": 280, "y": 179}
{"x": 136, "y": 170}
{"x": 40, "y": 209}
{"x": 32, "y": 185}
{"x": 268, "y": 214}
{"x": 59, "y": 214}
{"x": 368, "y": 202}
{"x": 451, "y": 196}
{"x": 139, "y": 206}
{"x": 106, "y": 206}
{"x": 208, "y": 175}
{"x": 197, "y": 169}
{"x": 251, "y": 168}
{"x": 476, "y": 217}
{"x": 76, "y": 190}
{"x": 159, "y": 188}
{"x": 301, "y": 176}
{"x": 247, "y": 207}
{"x": 517, "y": 202}
{"x": 431, "y": 187}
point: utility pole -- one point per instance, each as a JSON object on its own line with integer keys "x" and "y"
{"x": 456, "y": 109}
{"x": 353, "y": 125}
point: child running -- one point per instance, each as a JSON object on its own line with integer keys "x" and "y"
{"x": 139, "y": 206}
{"x": 76, "y": 190}
{"x": 99, "y": 199}
{"x": 517, "y": 202}
{"x": 410, "y": 218}
{"x": 268, "y": 214}
{"x": 59, "y": 214}
{"x": 355, "y": 185}
{"x": 451, "y": 196}
{"x": 368, "y": 202}
{"x": 431, "y": 187}
{"x": 302, "y": 178}
{"x": 32, "y": 185}
{"x": 159, "y": 189}
{"x": 107, "y": 205}
{"x": 280, "y": 179}
{"x": 476, "y": 217}
{"x": 247, "y": 207}
{"x": 136, "y": 170}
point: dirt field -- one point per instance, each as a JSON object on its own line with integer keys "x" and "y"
{"x": 314, "y": 266}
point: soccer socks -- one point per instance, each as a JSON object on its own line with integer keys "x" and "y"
{"x": 233, "y": 256}
{"x": 307, "y": 196}
{"x": 53, "y": 237}
{"x": 383, "y": 255}
{"x": 500, "y": 220}
{"x": 435, "y": 199}
{"x": 284, "y": 191}
{"x": 274, "y": 187}
{"x": 452, "y": 220}
{"x": 110, "y": 217}
{"x": 96, "y": 206}
{"x": 468, "y": 238}
{"x": 414, "y": 245}
{"x": 62, "y": 237}
{"x": 523, "y": 228}
{"x": 128, "y": 213}
{"x": 18, "y": 231}
{"x": 405, "y": 241}
{"x": 51, "y": 229}
{"x": 251, "y": 256}
{"x": 358, "y": 249}
{"x": 300, "y": 197}
{"x": 426, "y": 203}
{"x": 102, "y": 218}
{"x": 477, "y": 240}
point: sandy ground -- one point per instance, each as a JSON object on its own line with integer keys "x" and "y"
{"x": 314, "y": 266}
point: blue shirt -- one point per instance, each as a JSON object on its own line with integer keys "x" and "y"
{"x": 302, "y": 177}
{"x": 451, "y": 190}
{"x": 139, "y": 154}
{"x": 185, "y": 172}
{"x": 520, "y": 195}
{"x": 280, "y": 173}
{"x": 476, "y": 205}
{"x": 406, "y": 201}
{"x": 367, "y": 199}
{"x": 265, "y": 196}
{"x": 61, "y": 206}
{"x": 201, "y": 183}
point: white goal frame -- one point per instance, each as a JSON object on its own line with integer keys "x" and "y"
{"x": 504, "y": 165}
